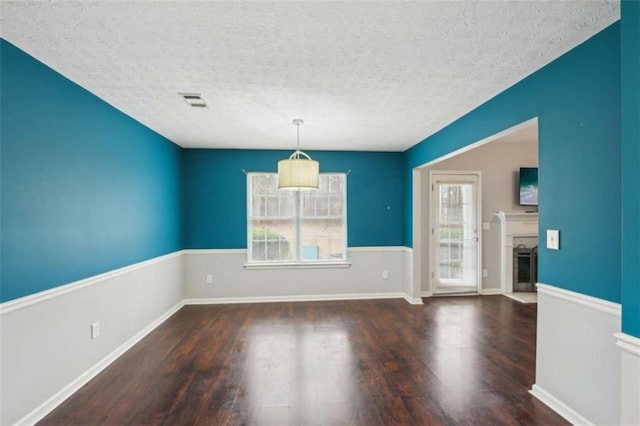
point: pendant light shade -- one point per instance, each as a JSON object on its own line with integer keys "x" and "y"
{"x": 299, "y": 171}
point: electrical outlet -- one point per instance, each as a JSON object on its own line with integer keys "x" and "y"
{"x": 385, "y": 275}
{"x": 485, "y": 273}
{"x": 95, "y": 330}
{"x": 209, "y": 279}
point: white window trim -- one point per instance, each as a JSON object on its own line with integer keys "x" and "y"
{"x": 320, "y": 264}
{"x": 300, "y": 264}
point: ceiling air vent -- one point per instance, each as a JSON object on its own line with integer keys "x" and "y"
{"x": 194, "y": 99}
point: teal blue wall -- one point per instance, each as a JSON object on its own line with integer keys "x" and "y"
{"x": 215, "y": 194}
{"x": 630, "y": 45}
{"x": 577, "y": 101}
{"x": 85, "y": 188}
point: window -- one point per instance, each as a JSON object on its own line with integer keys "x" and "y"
{"x": 296, "y": 226}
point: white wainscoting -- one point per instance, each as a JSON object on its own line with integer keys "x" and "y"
{"x": 577, "y": 362}
{"x": 630, "y": 372}
{"x": 47, "y": 351}
{"x": 233, "y": 283}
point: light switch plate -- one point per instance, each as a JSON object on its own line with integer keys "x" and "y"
{"x": 553, "y": 239}
{"x": 486, "y": 226}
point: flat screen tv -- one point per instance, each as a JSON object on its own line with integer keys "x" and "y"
{"x": 528, "y": 186}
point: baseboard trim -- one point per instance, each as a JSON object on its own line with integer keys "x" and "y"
{"x": 558, "y": 406}
{"x": 413, "y": 300}
{"x": 488, "y": 292}
{"x": 49, "y": 405}
{"x": 301, "y": 298}
{"x": 455, "y": 294}
{"x": 628, "y": 343}
{"x": 581, "y": 299}
{"x": 32, "y": 299}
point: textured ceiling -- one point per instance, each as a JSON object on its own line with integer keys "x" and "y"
{"x": 363, "y": 75}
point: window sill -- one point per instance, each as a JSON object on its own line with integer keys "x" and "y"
{"x": 302, "y": 265}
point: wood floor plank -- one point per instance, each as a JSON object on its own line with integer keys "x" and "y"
{"x": 455, "y": 360}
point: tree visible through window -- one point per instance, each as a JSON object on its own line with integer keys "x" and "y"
{"x": 296, "y": 226}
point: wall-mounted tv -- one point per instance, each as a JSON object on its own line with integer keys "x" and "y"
{"x": 528, "y": 186}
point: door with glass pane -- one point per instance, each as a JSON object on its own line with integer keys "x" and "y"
{"x": 455, "y": 240}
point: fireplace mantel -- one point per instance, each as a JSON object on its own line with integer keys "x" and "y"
{"x": 517, "y": 216}
{"x": 513, "y": 225}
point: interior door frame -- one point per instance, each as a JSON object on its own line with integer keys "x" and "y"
{"x": 432, "y": 251}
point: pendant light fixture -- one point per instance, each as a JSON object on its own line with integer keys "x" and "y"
{"x": 296, "y": 172}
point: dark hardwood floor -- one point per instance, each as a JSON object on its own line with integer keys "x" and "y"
{"x": 455, "y": 360}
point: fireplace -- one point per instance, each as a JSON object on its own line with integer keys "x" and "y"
{"x": 525, "y": 268}
{"x": 517, "y": 229}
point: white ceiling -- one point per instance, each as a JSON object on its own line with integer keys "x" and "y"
{"x": 363, "y": 75}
